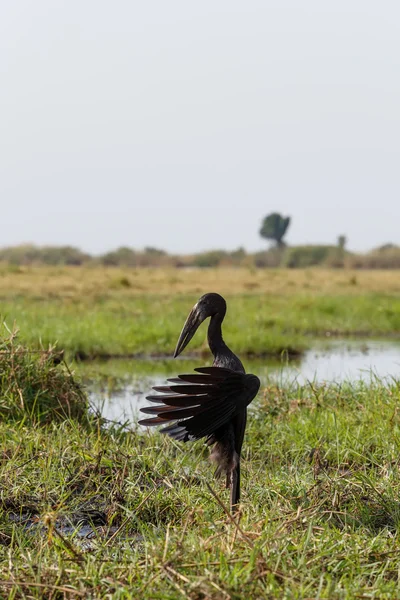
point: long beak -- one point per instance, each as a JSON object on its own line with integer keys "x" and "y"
{"x": 189, "y": 329}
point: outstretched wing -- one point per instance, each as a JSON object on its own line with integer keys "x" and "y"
{"x": 200, "y": 403}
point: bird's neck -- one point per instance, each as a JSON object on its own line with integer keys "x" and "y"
{"x": 215, "y": 341}
{"x": 223, "y": 356}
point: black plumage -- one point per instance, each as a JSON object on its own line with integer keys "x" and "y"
{"x": 212, "y": 403}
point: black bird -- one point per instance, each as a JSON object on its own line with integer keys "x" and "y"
{"x": 213, "y": 403}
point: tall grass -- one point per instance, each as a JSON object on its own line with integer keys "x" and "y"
{"x": 34, "y": 386}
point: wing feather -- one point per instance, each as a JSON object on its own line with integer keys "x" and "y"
{"x": 199, "y": 404}
{"x": 178, "y": 400}
{"x": 193, "y": 378}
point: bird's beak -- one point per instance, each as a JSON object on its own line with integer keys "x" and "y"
{"x": 193, "y": 321}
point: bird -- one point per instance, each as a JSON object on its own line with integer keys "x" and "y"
{"x": 211, "y": 403}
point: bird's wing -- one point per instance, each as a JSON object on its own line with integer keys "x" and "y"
{"x": 200, "y": 403}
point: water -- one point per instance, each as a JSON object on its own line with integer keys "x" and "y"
{"x": 85, "y": 530}
{"x": 124, "y": 385}
{"x": 349, "y": 361}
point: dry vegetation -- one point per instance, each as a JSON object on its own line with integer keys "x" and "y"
{"x": 83, "y": 281}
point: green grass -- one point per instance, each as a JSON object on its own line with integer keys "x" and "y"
{"x": 319, "y": 516}
{"x": 33, "y": 387}
{"x": 148, "y": 324}
{"x": 98, "y": 312}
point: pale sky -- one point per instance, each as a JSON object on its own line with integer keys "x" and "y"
{"x": 181, "y": 124}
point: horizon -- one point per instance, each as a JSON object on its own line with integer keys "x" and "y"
{"x": 268, "y": 246}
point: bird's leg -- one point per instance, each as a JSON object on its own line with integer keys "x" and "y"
{"x": 235, "y": 487}
{"x": 227, "y": 460}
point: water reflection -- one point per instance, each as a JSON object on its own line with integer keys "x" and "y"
{"x": 119, "y": 388}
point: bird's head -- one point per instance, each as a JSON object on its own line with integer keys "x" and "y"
{"x": 209, "y": 305}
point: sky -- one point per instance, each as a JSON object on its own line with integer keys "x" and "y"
{"x": 180, "y": 125}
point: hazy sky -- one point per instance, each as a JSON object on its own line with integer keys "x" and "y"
{"x": 180, "y": 124}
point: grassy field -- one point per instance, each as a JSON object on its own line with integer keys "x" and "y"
{"x": 98, "y": 312}
{"x": 319, "y": 514}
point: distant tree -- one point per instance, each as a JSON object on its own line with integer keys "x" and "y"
{"x": 300, "y": 257}
{"x": 238, "y": 254}
{"x": 386, "y": 247}
{"x": 154, "y": 251}
{"x": 274, "y": 227}
{"x": 121, "y": 257}
{"x": 211, "y": 258}
{"x": 341, "y": 242}
{"x": 29, "y": 254}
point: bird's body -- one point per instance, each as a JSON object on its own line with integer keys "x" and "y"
{"x": 212, "y": 404}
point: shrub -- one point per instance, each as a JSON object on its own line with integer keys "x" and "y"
{"x": 62, "y": 255}
{"x": 210, "y": 259}
{"x": 35, "y": 386}
{"x": 298, "y": 257}
{"x": 385, "y": 257}
{"x": 127, "y": 257}
{"x": 269, "y": 258}
{"x": 123, "y": 256}
{"x": 28, "y": 254}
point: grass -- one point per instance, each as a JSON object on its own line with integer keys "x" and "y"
{"x": 69, "y": 282}
{"x": 33, "y": 387}
{"x": 98, "y": 312}
{"x": 319, "y": 516}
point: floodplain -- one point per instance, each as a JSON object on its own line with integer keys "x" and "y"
{"x": 95, "y": 312}
{"x": 93, "y": 508}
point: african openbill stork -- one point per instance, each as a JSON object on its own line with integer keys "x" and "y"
{"x": 211, "y": 404}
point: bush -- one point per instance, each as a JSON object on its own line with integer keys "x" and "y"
{"x": 34, "y": 385}
{"x": 63, "y": 255}
{"x": 154, "y": 251}
{"x": 127, "y": 257}
{"x": 298, "y": 257}
{"x": 122, "y": 257}
{"x": 385, "y": 257}
{"x": 269, "y": 258}
{"x": 28, "y": 254}
{"x": 210, "y": 259}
